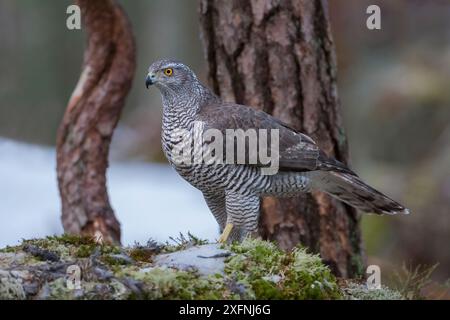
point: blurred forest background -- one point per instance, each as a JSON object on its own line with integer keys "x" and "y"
{"x": 394, "y": 87}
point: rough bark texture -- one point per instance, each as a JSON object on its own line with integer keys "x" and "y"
{"x": 279, "y": 56}
{"x": 92, "y": 113}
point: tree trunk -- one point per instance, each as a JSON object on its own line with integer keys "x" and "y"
{"x": 92, "y": 113}
{"x": 279, "y": 56}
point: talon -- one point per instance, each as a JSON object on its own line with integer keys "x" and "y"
{"x": 226, "y": 233}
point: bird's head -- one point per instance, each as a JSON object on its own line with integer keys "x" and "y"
{"x": 169, "y": 74}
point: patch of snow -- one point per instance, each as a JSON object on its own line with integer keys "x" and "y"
{"x": 206, "y": 259}
{"x": 150, "y": 200}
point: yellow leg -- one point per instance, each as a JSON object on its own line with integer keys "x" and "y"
{"x": 226, "y": 233}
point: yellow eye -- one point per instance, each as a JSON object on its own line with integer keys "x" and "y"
{"x": 168, "y": 72}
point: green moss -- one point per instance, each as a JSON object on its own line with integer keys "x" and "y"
{"x": 115, "y": 260}
{"x": 167, "y": 283}
{"x": 10, "y": 249}
{"x": 57, "y": 290}
{"x": 141, "y": 254}
{"x": 84, "y": 251}
{"x": 144, "y": 253}
{"x": 255, "y": 269}
{"x": 270, "y": 273}
{"x": 90, "y": 290}
{"x": 71, "y": 246}
{"x": 74, "y": 240}
{"x": 52, "y": 244}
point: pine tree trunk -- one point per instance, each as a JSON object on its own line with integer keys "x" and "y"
{"x": 92, "y": 113}
{"x": 279, "y": 56}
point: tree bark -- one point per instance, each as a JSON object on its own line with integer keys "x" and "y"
{"x": 92, "y": 114}
{"x": 278, "y": 55}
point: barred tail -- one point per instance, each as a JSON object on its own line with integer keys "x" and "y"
{"x": 350, "y": 189}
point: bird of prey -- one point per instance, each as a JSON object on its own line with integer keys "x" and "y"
{"x": 233, "y": 190}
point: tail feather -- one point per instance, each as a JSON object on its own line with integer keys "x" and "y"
{"x": 349, "y": 188}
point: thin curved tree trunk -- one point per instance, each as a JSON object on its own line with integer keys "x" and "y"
{"x": 279, "y": 56}
{"x": 92, "y": 114}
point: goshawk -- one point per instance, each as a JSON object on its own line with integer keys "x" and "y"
{"x": 233, "y": 190}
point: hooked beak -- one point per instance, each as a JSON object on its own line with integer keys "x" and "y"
{"x": 149, "y": 80}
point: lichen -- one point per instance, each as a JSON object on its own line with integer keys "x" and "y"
{"x": 167, "y": 283}
{"x": 10, "y": 287}
{"x": 254, "y": 269}
{"x": 89, "y": 290}
{"x": 358, "y": 291}
{"x": 163, "y": 283}
{"x": 53, "y": 244}
{"x": 58, "y": 289}
{"x": 67, "y": 246}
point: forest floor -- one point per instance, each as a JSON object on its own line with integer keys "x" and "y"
{"x": 71, "y": 267}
